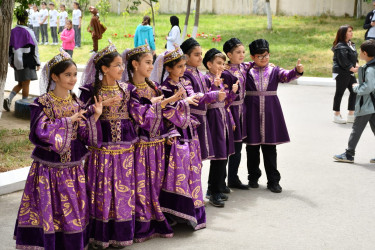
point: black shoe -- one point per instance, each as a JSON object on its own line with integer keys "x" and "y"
{"x": 6, "y": 104}
{"x": 253, "y": 184}
{"x": 275, "y": 188}
{"x": 238, "y": 184}
{"x": 223, "y": 197}
{"x": 226, "y": 190}
{"x": 216, "y": 201}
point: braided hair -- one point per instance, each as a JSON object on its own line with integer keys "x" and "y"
{"x": 59, "y": 69}
{"x": 130, "y": 69}
{"x": 104, "y": 61}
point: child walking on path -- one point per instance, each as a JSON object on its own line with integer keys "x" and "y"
{"x": 265, "y": 124}
{"x": 67, "y": 38}
{"x": 365, "y": 101}
{"x": 54, "y": 208}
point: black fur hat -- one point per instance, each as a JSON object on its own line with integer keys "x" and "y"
{"x": 188, "y": 44}
{"x": 229, "y": 45}
{"x": 208, "y": 56}
{"x": 259, "y": 46}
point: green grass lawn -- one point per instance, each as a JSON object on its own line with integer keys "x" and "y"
{"x": 293, "y": 37}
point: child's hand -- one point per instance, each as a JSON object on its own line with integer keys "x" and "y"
{"x": 299, "y": 66}
{"x": 171, "y": 140}
{"x": 98, "y": 107}
{"x": 217, "y": 81}
{"x": 222, "y": 95}
{"x": 156, "y": 99}
{"x": 78, "y": 116}
{"x": 355, "y": 84}
{"x": 234, "y": 127}
{"x": 235, "y": 87}
{"x": 194, "y": 100}
{"x": 113, "y": 101}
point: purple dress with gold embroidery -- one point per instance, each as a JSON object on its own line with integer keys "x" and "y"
{"x": 181, "y": 195}
{"x": 265, "y": 122}
{"x": 54, "y": 212}
{"x": 110, "y": 173}
{"x": 150, "y": 168}
{"x": 195, "y": 84}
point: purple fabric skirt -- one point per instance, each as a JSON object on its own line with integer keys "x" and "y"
{"x": 54, "y": 209}
{"x": 110, "y": 186}
{"x": 181, "y": 194}
{"x": 149, "y": 170}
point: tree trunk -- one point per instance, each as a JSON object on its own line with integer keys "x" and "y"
{"x": 359, "y": 9}
{"x": 186, "y": 19}
{"x": 6, "y": 14}
{"x": 153, "y": 17}
{"x": 355, "y": 8}
{"x": 118, "y": 7}
{"x": 269, "y": 15}
{"x": 196, "y": 21}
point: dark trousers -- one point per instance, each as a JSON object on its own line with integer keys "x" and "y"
{"x": 54, "y": 34}
{"x": 359, "y": 125}
{"x": 270, "y": 163}
{"x": 70, "y": 52}
{"x": 234, "y": 163}
{"x": 216, "y": 178}
{"x": 77, "y": 35}
{"x": 95, "y": 44}
{"x": 61, "y": 28}
{"x": 36, "y": 32}
{"x": 43, "y": 28}
{"x": 343, "y": 82}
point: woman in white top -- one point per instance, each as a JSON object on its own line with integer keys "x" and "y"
{"x": 53, "y": 23}
{"x": 35, "y": 22}
{"x": 44, "y": 23}
{"x": 77, "y": 21}
{"x": 174, "y": 35}
{"x": 63, "y": 15}
{"x": 30, "y": 12}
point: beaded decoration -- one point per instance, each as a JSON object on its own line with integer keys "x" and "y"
{"x": 140, "y": 49}
{"x": 107, "y": 50}
{"x": 173, "y": 55}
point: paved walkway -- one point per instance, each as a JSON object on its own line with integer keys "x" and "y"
{"x": 324, "y": 204}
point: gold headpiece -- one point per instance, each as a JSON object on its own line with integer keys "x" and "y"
{"x": 140, "y": 49}
{"x": 173, "y": 55}
{"x": 107, "y": 50}
{"x": 62, "y": 56}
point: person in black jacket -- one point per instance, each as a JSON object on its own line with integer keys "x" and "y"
{"x": 345, "y": 64}
{"x": 369, "y": 24}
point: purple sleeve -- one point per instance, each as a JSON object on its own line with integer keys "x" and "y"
{"x": 231, "y": 96}
{"x": 188, "y": 87}
{"x": 148, "y": 117}
{"x": 288, "y": 75}
{"x": 90, "y": 131}
{"x": 209, "y": 97}
{"x": 85, "y": 95}
{"x": 231, "y": 117}
{"x": 178, "y": 114}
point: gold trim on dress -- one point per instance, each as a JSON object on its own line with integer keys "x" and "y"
{"x": 112, "y": 151}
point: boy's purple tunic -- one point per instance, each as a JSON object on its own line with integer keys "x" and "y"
{"x": 195, "y": 84}
{"x": 219, "y": 119}
{"x": 110, "y": 173}
{"x": 265, "y": 122}
{"x": 54, "y": 210}
{"x": 150, "y": 168}
{"x": 182, "y": 194}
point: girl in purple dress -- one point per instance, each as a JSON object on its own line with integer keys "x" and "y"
{"x": 265, "y": 124}
{"x": 111, "y": 177}
{"x": 181, "y": 198}
{"x": 149, "y": 169}
{"x": 219, "y": 120}
{"x": 54, "y": 208}
{"x": 195, "y": 85}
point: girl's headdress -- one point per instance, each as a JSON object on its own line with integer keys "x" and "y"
{"x": 129, "y": 53}
{"x": 166, "y": 57}
{"x": 88, "y": 75}
{"x": 45, "y": 74}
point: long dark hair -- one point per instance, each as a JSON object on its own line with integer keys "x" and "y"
{"x": 22, "y": 17}
{"x": 170, "y": 64}
{"x": 104, "y": 61}
{"x": 59, "y": 69}
{"x": 341, "y": 34}
{"x": 146, "y": 20}
{"x": 174, "y": 22}
{"x": 77, "y": 3}
{"x": 138, "y": 57}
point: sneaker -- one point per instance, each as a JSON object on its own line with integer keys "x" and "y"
{"x": 372, "y": 160}
{"x": 253, "y": 184}
{"x": 275, "y": 188}
{"x": 224, "y": 197}
{"x": 215, "y": 200}
{"x": 238, "y": 184}
{"x": 226, "y": 190}
{"x": 350, "y": 119}
{"x": 338, "y": 119}
{"x": 344, "y": 157}
{"x": 6, "y": 104}
{"x": 46, "y": 43}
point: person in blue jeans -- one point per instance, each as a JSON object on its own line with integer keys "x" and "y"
{"x": 365, "y": 101}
